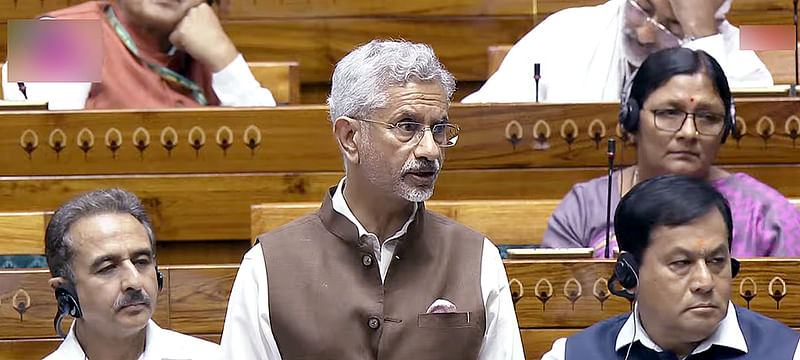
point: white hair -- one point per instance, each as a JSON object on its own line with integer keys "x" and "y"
{"x": 361, "y": 79}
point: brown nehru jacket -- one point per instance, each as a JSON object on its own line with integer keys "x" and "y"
{"x": 326, "y": 299}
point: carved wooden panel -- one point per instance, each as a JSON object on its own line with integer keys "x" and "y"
{"x": 573, "y": 293}
{"x": 300, "y": 139}
{"x": 28, "y": 304}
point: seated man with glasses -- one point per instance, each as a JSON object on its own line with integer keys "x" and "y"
{"x": 679, "y": 112}
{"x": 588, "y": 53}
{"x": 373, "y": 274}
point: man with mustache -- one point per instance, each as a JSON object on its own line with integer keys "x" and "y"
{"x": 675, "y": 233}
{"x": 586, "y": 54}
{"x": 100, "y": 249}
{"x": 158, "y": 54}
{"x": 372, "y": 274}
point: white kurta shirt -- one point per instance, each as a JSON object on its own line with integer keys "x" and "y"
{"x": 248, "y": 333}
{"x": 234, "y": 85}
{"x": 160, "y": 344}
{"x": 728, "y": 334}
{"x": 582, "y": 59}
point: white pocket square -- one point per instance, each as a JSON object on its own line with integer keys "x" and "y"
{"x": 441, "y": 306}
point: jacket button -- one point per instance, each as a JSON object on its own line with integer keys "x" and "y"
{"x": 366, "y": 260}
{"x": 374, "y": 323}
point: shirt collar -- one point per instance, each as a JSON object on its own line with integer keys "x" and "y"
{"x": 727, "y": 334}
{"x": 340, "y": 206}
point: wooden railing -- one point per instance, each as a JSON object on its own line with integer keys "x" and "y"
{"x": 552, "y": 299}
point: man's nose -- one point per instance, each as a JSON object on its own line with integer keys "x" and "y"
{"x": 427, "y": 147}
{"x": 702, "y": 278}
{"x": 131, "y": 276}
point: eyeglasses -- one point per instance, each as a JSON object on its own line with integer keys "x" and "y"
{"x": 672, "y": 120}
{"x": 664, "y": 36}
{"x": 444, "y": 134}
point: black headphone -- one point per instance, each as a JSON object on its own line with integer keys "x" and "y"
{"x": 68, "y": 304}
{"x": 626, "y": 273}
{"x": 629, "y": 116}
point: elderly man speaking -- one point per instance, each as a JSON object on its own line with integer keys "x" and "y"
{"x": 372, "y": 274}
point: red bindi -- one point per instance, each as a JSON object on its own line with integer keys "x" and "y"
{"x": 691, "y": 99}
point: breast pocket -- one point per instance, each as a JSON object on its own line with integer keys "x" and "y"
{"x": 445, "y": 320}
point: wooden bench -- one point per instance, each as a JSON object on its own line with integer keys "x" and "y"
{"x": 778, "y": 62}
{"x": 205, "y": 193}
{"x": 281, "y": 78}
{"x": 23, "y": 233}
{"x": 505, "y": 222}
{"x": 194, "y": 300}
{"x": 317, "y": 34}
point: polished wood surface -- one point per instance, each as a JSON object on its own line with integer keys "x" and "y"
{"x": 22, "y": 233}
{"x": 281, "y": 78}
{"x": 200, "y": 207}
{"x": 318, "y": 34}
{"x": 299, "y": 139}
{"x": 194, "y": 301}
{"x": 505, "y": 222}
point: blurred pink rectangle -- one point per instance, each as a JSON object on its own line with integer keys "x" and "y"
{"x": 55, "y": 50}
{"x": 767, "y": 37}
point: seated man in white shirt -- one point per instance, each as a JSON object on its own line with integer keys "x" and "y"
{"x": 158, "y": 54}
{"x": 586, "y": 54}
{"x": 100, "y": 249}
{"x": 372, "y": 274}
{"x": 675, "y": 233}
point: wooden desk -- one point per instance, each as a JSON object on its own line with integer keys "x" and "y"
{"x": 194, "y": 300}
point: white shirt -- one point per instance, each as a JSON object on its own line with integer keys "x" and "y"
{"x": 160, "y": 344}
{"x": 582, "y": 60}
{"x": 234, "y": 85}
{"x": 248, "y": 333}
{"x": 727, "y": 334}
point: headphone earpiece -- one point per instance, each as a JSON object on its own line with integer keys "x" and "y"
{"x": 160, "y": 279}
{"x": 68, "y": 305}
{"x": 735, "y": 265}
{"x": 67, "y": 299}
{"x": 626, "y": 273}
{"x": 629, "y": 115}
{"x": 730, "y": 122}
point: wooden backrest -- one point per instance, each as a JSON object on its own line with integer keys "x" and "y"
{"x": 281, "y": 78}
{"x": 205, "y": 193}
{"x": 778, "y": 62}
{"x": 459, "y": 31}
{"x": 22, "y": 233}
{"x": 553, "y": 298}
{"x": 505, "y": 222}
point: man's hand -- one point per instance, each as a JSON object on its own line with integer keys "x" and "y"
{"x": 200, "y": 34}
{"x": 696, "y": 16}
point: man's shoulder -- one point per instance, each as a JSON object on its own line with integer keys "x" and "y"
{"x": 85, "y": 10}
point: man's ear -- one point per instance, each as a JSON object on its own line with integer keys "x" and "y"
{"x": 345, "y": 130}
{"x": 56, "y": 282}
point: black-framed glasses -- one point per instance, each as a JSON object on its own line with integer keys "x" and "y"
{"x": 664, "y": 36}
{"x": 444, "y": 134}
{"x": 672, "y": 120}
